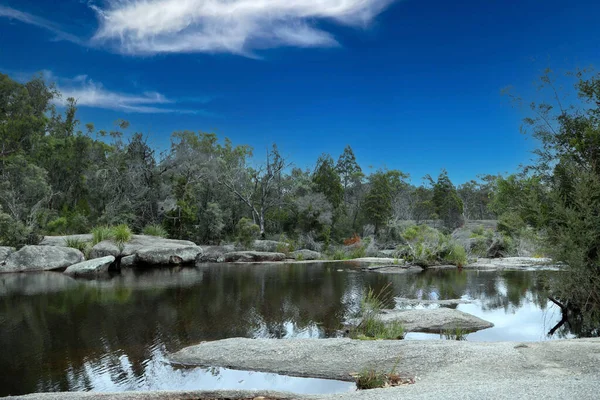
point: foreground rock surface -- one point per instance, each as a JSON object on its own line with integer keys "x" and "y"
{"x": 90, "y": 268}
{"x": 562, "y": 369}
{"x": 253, "y": 256}
{"x": 41, "y": 258}
{"x": 435, "y": 320}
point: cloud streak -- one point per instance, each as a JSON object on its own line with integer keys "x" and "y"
{"x": 89, "y": 93}
{"x": 7, "y": 12}
{"x": 145, "y": 27}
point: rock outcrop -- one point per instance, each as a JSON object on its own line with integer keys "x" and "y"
{"x": 90, "y": 268}
{"x": 514, "y": 263}
{"x": 5, "y": 252}
{"x": 270, "y": 246}
{"x": 214, "y": 254}
{"x": 138, "y": 242}
{"x": 62, "y": 240}
{"x": 306, "y": 255}
{"x": 171, "y": 255}
{"x": 253, "y": 256}
{"x": 41, "y": 258}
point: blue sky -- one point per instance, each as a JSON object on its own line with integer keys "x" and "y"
{"x": 413, "y": 84}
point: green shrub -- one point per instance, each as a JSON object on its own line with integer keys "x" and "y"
{"x": 510, "y": 223}
{"x": 358, "y": 252}
{"x": 371, "y": 326}
{"x": 247, "y": 232}
{"x": 15, "y": 233}
{"x": 122, "y": 233}
{"x": 57, "y": 225}
{"x": 457, "y": 255}
{"x": 155, "y": 230}
{"x": 338, "y": 254}
{"x": 102, "y": 233}
{"x": 479, "y": 230}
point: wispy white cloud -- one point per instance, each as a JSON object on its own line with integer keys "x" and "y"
{"x": 7, "y": 12}
{"x": 89, "y": 93}
{"x": 231, "y": 26}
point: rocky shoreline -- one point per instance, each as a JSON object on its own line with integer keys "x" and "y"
{"x": 52, "y": 254}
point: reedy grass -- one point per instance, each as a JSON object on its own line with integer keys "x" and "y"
{"x": 155, "y": 230}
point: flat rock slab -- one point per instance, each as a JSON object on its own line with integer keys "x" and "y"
{"x": 394, "y": 269}
{"x": 306, "y": 255}
{"x": 376, "y": 260}
{"x": 435, "y": 320}
{"x": 270, "y": 246}
{"x": 514, "y": 263}
{"x": 41, "y": 258}
{"x": 254, "y": 256}
{"x": 401, "y": 301}
{"x": 138, "y": 242}
{"x": 437, "y": 361}
{"x": 171, "y": 255}
{"x": 90, "y": 268}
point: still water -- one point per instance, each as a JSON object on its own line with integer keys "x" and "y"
{"x": 59, "y": 334}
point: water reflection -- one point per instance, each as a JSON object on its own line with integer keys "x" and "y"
{"x": 61, "y": 334}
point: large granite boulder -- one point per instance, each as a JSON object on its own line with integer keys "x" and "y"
{"x": 514, "y": 263}
{"x": 62, "y": 240}
{"x": 5, "y": 252}
{"x": 214, "y": 254}
{"x": 167, "y": 255}
{"x": 270, "y": 246}
{"x": 306, "y": 255}
{"x": 137, "y": 242}
{"x": 90, "y": 268}
{"x": 41, "y": 258}
{"x": 253, "y": 256}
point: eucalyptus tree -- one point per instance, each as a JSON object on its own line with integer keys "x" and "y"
{"x": 384, "y": 186}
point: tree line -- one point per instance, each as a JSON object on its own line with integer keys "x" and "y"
{"x": 59, "y": 176}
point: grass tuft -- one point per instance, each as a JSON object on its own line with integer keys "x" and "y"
{"x": 155, "y": 230}
{"x": 101, "y": 233}
{"x": 455, "y": 334}
{"x": 122, "y": 233}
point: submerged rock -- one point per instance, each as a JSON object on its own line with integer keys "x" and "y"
{"x": 253, "y": 256}
{"x": 401, "y": 301}
{"x": 306, "y": 255}
{"x": 41, "y": 258}
{"x": 90, "y": 268}
{"x": 435, "y": 320}
{"x": 214, "y": 254}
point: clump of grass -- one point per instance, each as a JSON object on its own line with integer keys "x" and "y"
{"x": 102, "y": 233}
{"x": 457, "y": 255}
{"x": 339, "y": 254}
{"x": 300, "y": 257}
{"x": 122, "y": 233}
{"x": 455, "y": 334}
{"x": 371, "y": 326}
{"x": 76, "y": 243}
{"x": 155, "y": 230}
{"x": 370, "y": 379}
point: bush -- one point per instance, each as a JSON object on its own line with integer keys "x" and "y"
{"x": 247, "y": 232}
{"x": 155, "y": 230}
{"x": 457, "y": 255}
{"x": 57, "y": 225}
{"x": 122, "y": 233}
{"x": 15, "y": 233}
{"x": 510, "y": 223}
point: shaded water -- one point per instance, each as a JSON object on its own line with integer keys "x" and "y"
{"x": 58, "y": 334}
